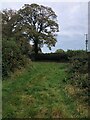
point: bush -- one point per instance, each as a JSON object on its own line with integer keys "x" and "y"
{"x": 12, "y": 57}
{"x": 78, "y": 70}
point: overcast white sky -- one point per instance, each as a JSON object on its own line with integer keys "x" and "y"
{"x": 72, "y": 19}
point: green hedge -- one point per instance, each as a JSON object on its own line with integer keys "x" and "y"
{"x": 49, "y": 57}
{"x": 12, "y": 57}
{"x": 78, "y": 69}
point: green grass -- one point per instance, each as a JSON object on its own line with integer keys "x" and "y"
{"x": 39, "y": 91}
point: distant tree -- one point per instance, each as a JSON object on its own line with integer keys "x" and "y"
{"x": 59, "y": 51}
{"x": 38, "y": 24}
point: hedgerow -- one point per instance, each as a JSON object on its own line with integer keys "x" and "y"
{"x": 12, "y": 57}
{"x": 78, "y": 70}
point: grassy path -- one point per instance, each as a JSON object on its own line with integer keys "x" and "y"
{"x": 39, "y": 92}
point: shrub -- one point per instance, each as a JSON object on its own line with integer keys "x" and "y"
{"x": 11, "y": 57}
{"x": 78, "y": 70}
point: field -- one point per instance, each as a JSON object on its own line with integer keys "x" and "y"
{"x": 41, "y": 90}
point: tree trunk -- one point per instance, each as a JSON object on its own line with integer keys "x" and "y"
{"x": 36, "y": 47}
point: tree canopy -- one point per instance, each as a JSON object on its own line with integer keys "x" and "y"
{"x": 38, "y": 24}
{"x": 59, "y": 51}
{"x": 7, "y": 22}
